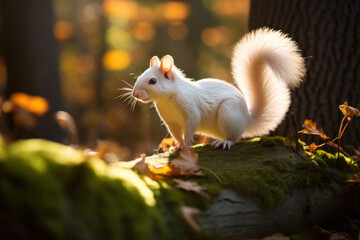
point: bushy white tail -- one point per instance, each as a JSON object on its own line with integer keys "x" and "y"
{"x": 266, "y": 63}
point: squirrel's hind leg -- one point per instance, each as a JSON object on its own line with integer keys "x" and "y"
{"x": 232, "y": 117}
{"x": 224, "y": 144}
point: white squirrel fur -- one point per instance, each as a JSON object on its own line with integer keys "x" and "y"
{"x": 265, "y": 64}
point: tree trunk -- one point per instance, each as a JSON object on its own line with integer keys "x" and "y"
{"x": 31, "y": 57}
{"x": 329, "y": 35}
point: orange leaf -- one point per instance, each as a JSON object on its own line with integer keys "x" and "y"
{"x": 166, "y": 144}
{"x": 162, "y": 169}
{"x": 140, "y": 166}
{"x": 312, "y": 147}
{"x": 186, "y": 164}
{"x": 349, "y": 111}
{"x": 309, "y": 127}
{"x": 356, "y": 180}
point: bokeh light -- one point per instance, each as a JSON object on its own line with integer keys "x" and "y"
{"x": 116, "y": 60}
{"x": 63, "y": 30}
{"x": 143, "y": 31}
{"x": 175, "y": 10}
{"x": 178, "y": 30}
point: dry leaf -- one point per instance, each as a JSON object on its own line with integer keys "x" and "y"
{"x": 309, "y": 127}
{"x": 191, "y": 186}
{"x": 189, "y": 214}
{"x": 140, "y": 166}
{"x": 186, "y": 164}
{"x": 160, "y": 169}
{"x": 349, "y": 111}
{"x": 143, "y": 165}
{"x": 355, "y": 180}
{"x": 312, "y": 147}
{"x": 166, "y": 144}
{"x": 157, "y": 165}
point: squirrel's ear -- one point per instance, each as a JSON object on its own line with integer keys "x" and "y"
{"x": 154, "y": 61}
{"x": 166, "y": 64}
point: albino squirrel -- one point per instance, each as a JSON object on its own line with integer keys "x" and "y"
{"x": 265, "y": 64}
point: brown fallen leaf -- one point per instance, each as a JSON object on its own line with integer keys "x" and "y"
{"x": 191, "y": 186}
{"x": 189, "y": 214}
{"x": 160, "y": 169}
{"x": 140, "y": 166}
{"x": 166, "y": 144}
{"x": 309, "y": 127}
{"x": 355, "y": 180}
{"x": 312, "y": 147}
{"x": 349, "y": 111}
{"x": 186, "y": 164}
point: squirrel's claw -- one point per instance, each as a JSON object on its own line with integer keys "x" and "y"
{"x": 174, "y": 149}
{"x": 224, "y": 144}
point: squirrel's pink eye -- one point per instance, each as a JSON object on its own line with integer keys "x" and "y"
{"x": 152, "y": 81}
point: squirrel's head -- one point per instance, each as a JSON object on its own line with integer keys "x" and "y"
{"x": 157, "y": 81}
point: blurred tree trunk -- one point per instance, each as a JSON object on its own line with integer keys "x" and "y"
{"x": 31, "y": 57}
{"x": 328, "y": 34}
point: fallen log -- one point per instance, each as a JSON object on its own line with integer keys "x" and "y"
{"x": 48, "y": 190}
{"x": 271, "y": 188}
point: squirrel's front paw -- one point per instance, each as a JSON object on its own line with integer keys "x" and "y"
{"x": 189, "y": 142}
{"x": 176, "y": 148}
{"x": 179, "y": 145}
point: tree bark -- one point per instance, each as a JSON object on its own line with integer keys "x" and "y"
{"x": 31, "y": 58}
{"x": 329, "y": 35}
{"x": 232, "y": 215}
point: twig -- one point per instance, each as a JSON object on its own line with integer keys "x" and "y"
{"x": 212, "y": 172}
{"x": 296, "y": 132}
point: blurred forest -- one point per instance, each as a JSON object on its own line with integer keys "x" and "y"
{"x": 102, "y": 43}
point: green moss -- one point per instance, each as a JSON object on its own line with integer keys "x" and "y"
{"x": 265, "y": 169}
{"x": 274, "y": 141}
{"x": 173, "y": 155}
{"x": 50, "y": 191}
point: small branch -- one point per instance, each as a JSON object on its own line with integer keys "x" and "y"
{"x": 212, "y": 172}
{"x": 296, "y": 132}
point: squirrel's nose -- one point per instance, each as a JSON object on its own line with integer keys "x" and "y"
{"x": 135, "y": 94}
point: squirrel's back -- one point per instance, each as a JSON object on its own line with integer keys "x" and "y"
{"x": 266, "y": 63}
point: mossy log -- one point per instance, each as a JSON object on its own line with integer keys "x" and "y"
{"x": 268, "y": 187}
{"x": 51, "y": 191}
